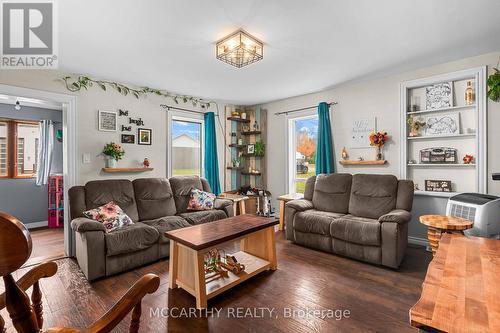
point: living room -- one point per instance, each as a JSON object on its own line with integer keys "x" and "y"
{"x": 279, "y": 165}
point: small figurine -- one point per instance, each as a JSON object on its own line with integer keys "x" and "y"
{"x": 361, "y": 158}
{"x": 415, "y": 187}
{"x": 255, "y": 126}
{"x": 468, "y": 159}
{"x": 412, "y": 162}
{"x": 145, "y": 163}
{"x": 344, "y": 154}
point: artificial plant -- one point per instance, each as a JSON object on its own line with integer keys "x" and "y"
{"x": 494, "y": 85}
{"x": 260, "y": 148}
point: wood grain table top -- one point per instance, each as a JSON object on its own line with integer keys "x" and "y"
{"x": 446, "y": 222}
{"x": 291, "y": 196}
{"x": 206, "y": 235}
{"x": 461, "y": 290}
{"x": 234, "y": 197}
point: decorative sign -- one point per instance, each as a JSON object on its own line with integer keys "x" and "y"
{"x": 438, "y": 185}
{"x": 447, "y": 124}
{"x": 439, "y": 96}
{"x": 137, "y": 121}
{"x": 107, "y": 121}
{"x": 126, "y": 128}
{"x": 360, "y": 132}
{"x": 123, "y": 112}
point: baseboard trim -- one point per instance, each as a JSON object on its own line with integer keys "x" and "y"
{"x": 34, "y": 225}
{"x": 418, "y": 241}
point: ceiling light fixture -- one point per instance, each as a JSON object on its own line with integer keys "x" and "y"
{"x": 239, "y": 49}
{"x": 18, "y": 106}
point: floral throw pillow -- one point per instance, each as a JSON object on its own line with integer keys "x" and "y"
{"x": 201, "y": 200}
{"x": 111, "y": 215}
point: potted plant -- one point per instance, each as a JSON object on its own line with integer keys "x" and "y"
{"x": 260, "y": 148}
{"x": 494, "y": 85}
{"x": 113, "y": 153}
{"x": 378, "y": 139}
{"x": 415, "y": 125}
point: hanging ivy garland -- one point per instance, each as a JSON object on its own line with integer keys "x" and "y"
{"x": 75, "y": 84}
{"x": 494, "y": 84}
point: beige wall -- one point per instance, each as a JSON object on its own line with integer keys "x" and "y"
{"x": 379, "y": 98}
{"x": 90, "y": 140}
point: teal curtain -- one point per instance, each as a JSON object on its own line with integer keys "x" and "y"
{"x": 211, "y": 162}
{"x": 324, "y": 147}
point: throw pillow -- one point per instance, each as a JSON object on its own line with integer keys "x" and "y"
{"x": 201, "y": 200}
{"x": 111, "y": 215}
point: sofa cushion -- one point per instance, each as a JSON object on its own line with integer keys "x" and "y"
{"x": 181, "y": 187}
{"x": 167, "y": 223}
{"x": 204, "y": 216}
{"x": 373, "y": 195}
{"x": 110, "y": 215}
{"x": 135, "y": 237}
{"x": 120, "y": 191}
{"x": 356, "y": 229}
{"x": 200, "y": 200}
{"x": 332, "y": 192}
{"x": 154, "y": 198}
{"x": 314, "y": 221}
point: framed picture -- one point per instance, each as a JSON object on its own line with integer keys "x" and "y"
{"x": 439, "y": 96}
{"x": 144, "y": 136}
{"x": 128, "y": 138}
{"x": 107, "y": 121}
{"x": 251, "y": 149}
{"x": 447, "y": 124}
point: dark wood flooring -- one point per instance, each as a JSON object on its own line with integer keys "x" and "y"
{"x": 48, "y": 244}
{"x": 378, "y": 298}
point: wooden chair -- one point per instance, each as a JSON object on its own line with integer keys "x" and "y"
{"x": 26, "y": 315}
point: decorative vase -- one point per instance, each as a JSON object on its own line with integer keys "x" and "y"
{"x": 379, "y": 156}
{"x": 111, "y": 162}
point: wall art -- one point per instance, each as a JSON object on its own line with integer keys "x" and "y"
{"x": 447, "y": 124}
{"x": 439, "y": 96}
{"x": 144, "y": 136}
{"x": 107, "y": 121}
{"x": 126, "y": 128}
{"x": 360, "y": 132}
{"x": 137, "y": 121}
{"x": 122, "y": 112}
{"x": 128, "y": 138}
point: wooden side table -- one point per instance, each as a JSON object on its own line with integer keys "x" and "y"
{"x": 238, "y": 201}
{"x": 283, "y": 200}
{"x": 439, "y": 224}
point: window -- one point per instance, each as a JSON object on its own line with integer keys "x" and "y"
{"x": 186, "y": 153}
{"x": 302, "y": 134}
{"x": 18, "y": 149}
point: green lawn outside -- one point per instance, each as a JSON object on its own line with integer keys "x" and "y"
{"x": 183, "y": 172}
{"x": 300, "y": 186}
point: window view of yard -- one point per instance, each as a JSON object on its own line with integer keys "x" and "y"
{"x": 186, "y": 148}
{"x": 306, "y": 130}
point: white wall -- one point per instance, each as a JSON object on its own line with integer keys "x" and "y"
{"x": 377, "y": 97}
{"x": 90, "y": 140}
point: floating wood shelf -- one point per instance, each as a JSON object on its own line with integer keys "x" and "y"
{"x": 238, "y": 119}
{"x": 234, "y": 145}
{"x": 250, "y": 173}
{"x": 356, "y": 162}
{"x": 234, "y": 168}
{"x": 251, "y": 133}
{"x": 125, "y": 170}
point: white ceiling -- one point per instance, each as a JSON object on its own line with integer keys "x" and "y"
{"x": 309, "y": 45}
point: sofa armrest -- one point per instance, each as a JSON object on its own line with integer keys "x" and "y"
{"x": 226, "y": 205}
{"x": 83, "y": 224}
{"x": 300, "y": 205}
{"x": 399, "y": 216}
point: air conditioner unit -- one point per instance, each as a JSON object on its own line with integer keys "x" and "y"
{"x": 482, "y": 209}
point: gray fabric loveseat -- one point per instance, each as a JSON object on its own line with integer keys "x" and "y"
{"x": 155, "y": 205}
{"x": 361, "y": 216}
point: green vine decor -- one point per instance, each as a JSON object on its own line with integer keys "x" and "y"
{"x": 85, "y": 82}
{"x": 494, "y": 86}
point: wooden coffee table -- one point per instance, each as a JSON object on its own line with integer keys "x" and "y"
{"x": 189, "y": 245}
{"x": 439, "y": 224}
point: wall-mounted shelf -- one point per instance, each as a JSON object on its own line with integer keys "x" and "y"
{"x": 356, "y": 162}
{"x": 250, "y": 155}
{"x": 435, "y": 194}
{"x": 234, "y": 145}
{"x": 237, "y": 119}
{"x": 433, "y": 165}
{"x": 453, "y": 108}
{"x": 251, "y": 133}
{"x": 126, "y": 170}
{"x": 250, "y": 173}
{"x": 438, "y": 137}
{"x": 234, "y": 168}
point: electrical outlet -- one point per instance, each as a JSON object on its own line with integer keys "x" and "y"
{"x": 86, "y": 158}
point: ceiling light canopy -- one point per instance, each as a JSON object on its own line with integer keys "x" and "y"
{"x": 239, "y": 49}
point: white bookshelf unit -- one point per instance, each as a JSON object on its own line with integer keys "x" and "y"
{"x": 470, "y": 138}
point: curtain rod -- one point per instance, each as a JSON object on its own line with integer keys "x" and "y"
{"x": 167, "y": 107}
{"x": 302, "y": 109}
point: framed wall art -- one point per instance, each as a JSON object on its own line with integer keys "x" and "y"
{"x": 144, "y": 136}
{"x": 107, "y": 121}
{"x": 128, "y": 138}
{"x": 439, "y": 96}
{"x": 447, "y": 124}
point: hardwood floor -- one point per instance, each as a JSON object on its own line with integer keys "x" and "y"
{"x": 48, "y": 244}
{"x": 378, "y": 298}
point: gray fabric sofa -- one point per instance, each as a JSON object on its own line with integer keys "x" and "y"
{"x": 361, "y": 216}
{"x": 155, "y": 205}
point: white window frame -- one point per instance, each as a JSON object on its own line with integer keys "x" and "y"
{"x": 190, "y": 118}
{"x": 291, "y": 147}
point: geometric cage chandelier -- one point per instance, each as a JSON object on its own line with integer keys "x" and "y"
{"x": 239, "y": 49}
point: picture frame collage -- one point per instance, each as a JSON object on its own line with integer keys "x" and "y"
{"x": 108, "y": 122}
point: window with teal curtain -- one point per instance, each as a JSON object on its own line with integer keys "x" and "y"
{"x": 324, "y": 147}
{"x": 211, "y": 161}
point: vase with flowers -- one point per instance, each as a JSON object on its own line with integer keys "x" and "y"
{"x": 378, "y": 140}
{"x": 113, "y": 153}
